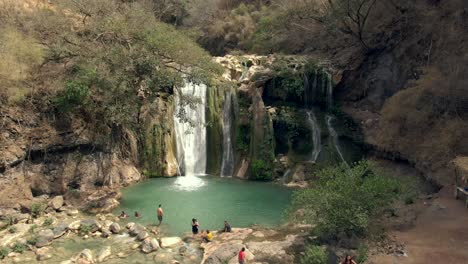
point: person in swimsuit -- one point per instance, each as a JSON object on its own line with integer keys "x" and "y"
{"x": 137, "y": 214}
{"x": 160, "y": 214}
{"x": 195, "y": 226}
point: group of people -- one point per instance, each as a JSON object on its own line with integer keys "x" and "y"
{"x": 125, "y": 215}
{"x": 207, "y": 236}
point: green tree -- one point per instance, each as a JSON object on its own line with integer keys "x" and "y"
{"x": 345, "y": 200}
{"x": 315, "y": 255}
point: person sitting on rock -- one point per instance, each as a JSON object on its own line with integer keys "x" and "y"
{"x": 208, "y": 237}
{"x": 137, "y": 214}
{"x": 227, "y": 227}
{"x": 123, "y": 215}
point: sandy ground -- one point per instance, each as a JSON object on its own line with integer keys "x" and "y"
{"x": 439, "y": 235}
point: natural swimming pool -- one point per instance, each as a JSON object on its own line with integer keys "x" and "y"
{"x": 210, "y": 199}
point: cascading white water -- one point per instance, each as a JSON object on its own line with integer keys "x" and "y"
{"x": 227, "y": 165}
{"x": 334, "y": 137}
{"x": 316, "y": 134}
{"x": 329, "y": 92}
{"x": 191, "y": 133}
{"x": 286, "y": 175}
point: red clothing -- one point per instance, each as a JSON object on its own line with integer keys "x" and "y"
{"x": 241, "y": 255}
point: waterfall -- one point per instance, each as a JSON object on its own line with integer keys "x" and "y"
{"x": 312, "y": 120}
{"x": 190, "y": 130}
{"x": 227, "y": 166}
{"x": 334, "y": 137}
{"x": 286, "y": 175}
{"x": 329, "y": 92}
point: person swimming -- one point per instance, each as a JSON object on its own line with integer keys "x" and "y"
{"x": 123, "y": 215}
{"x": 137, "y": 214}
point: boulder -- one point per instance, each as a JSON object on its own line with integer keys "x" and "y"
{"x": 114, "y": 228}
{"x": 167, "y": 242}
{"x": 106, "y": 234}
{"x": 60, "y": 230}
{"x": 93, "y": 224}
{"x": 74, "y": 225}
{"x": 103, "y": 254}
{"x": 136, "y": 229}
{"x": 44, "y": 238}
{"x": 43, "y": 254}
{"x": 142, "y": 235}
{"x": 72, "y": 212}
{"x": 129, "y": 225}
{"x": 85, "y": 257}
{"x": 149, "y": 245}
{"x": 56, "y": 202}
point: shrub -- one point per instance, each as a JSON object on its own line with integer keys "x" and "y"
{"x": 48, "y": 222}
{"x": 4, "y": 252}
{"x": 32, "y": 241}
{"x": 37, "y": 209}
{"x": 261, "y": 170}
{"x": 361, "y": 254}
{"x": 76, "y": 93}
{"x": 32, "y": 229}
{"x": 19, "y": 247}
{"x": 315, "y": 255}
{"x": 12, "y": 229}
{"x": 345, "y": 200}
{"x": 85, "y": 229}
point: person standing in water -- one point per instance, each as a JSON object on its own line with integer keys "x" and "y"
{"x": 160, "y": 214}
{"x": 195, "y": 226}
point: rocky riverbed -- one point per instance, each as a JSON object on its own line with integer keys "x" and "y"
{"x": 59, "y": 233}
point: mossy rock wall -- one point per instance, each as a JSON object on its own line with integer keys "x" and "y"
{"x": 159, "y": 150}
{"x": 214, "y": 129}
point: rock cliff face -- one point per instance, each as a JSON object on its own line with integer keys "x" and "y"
{"x": 40, "y": 156}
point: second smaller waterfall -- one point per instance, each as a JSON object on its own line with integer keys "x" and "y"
{"x": 334, "y": 137}
{"x": 227, "y": 165}
{"x": 316, "y": 134}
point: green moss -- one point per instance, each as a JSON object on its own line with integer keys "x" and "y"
{"x": 214, "y": 129}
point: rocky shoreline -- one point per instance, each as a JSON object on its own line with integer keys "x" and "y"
{"x": 60, "y": 233}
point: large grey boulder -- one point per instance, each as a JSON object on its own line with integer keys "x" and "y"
{"x": 44, "y": 238}
{"x": 136, "y": 229}
{"x": 114, "y": 228}
{"x": 167, "y": 242}
{"x": 103, "y": 254}
{"x": 56, "y": 202}
{"x": 43, "y": 254}
{"x": 60, "y": 230}
{"x": 149, "y": 245}
{"x": 142, "y": 235}
{"x": 85, "y": 256}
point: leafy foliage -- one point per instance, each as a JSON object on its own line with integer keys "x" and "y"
{"x": 314, "y": 255}
{"x": 48, "y": 222}
{"x": 4, "y": 252}
{"x": 19, "y": 247}
{"x": 37, "y": 209}
{"x": 32, "y": 240}
{"x": 85, "y": 229}
{"x": 261, "y": 170}
{"x": 345, "y": 200}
